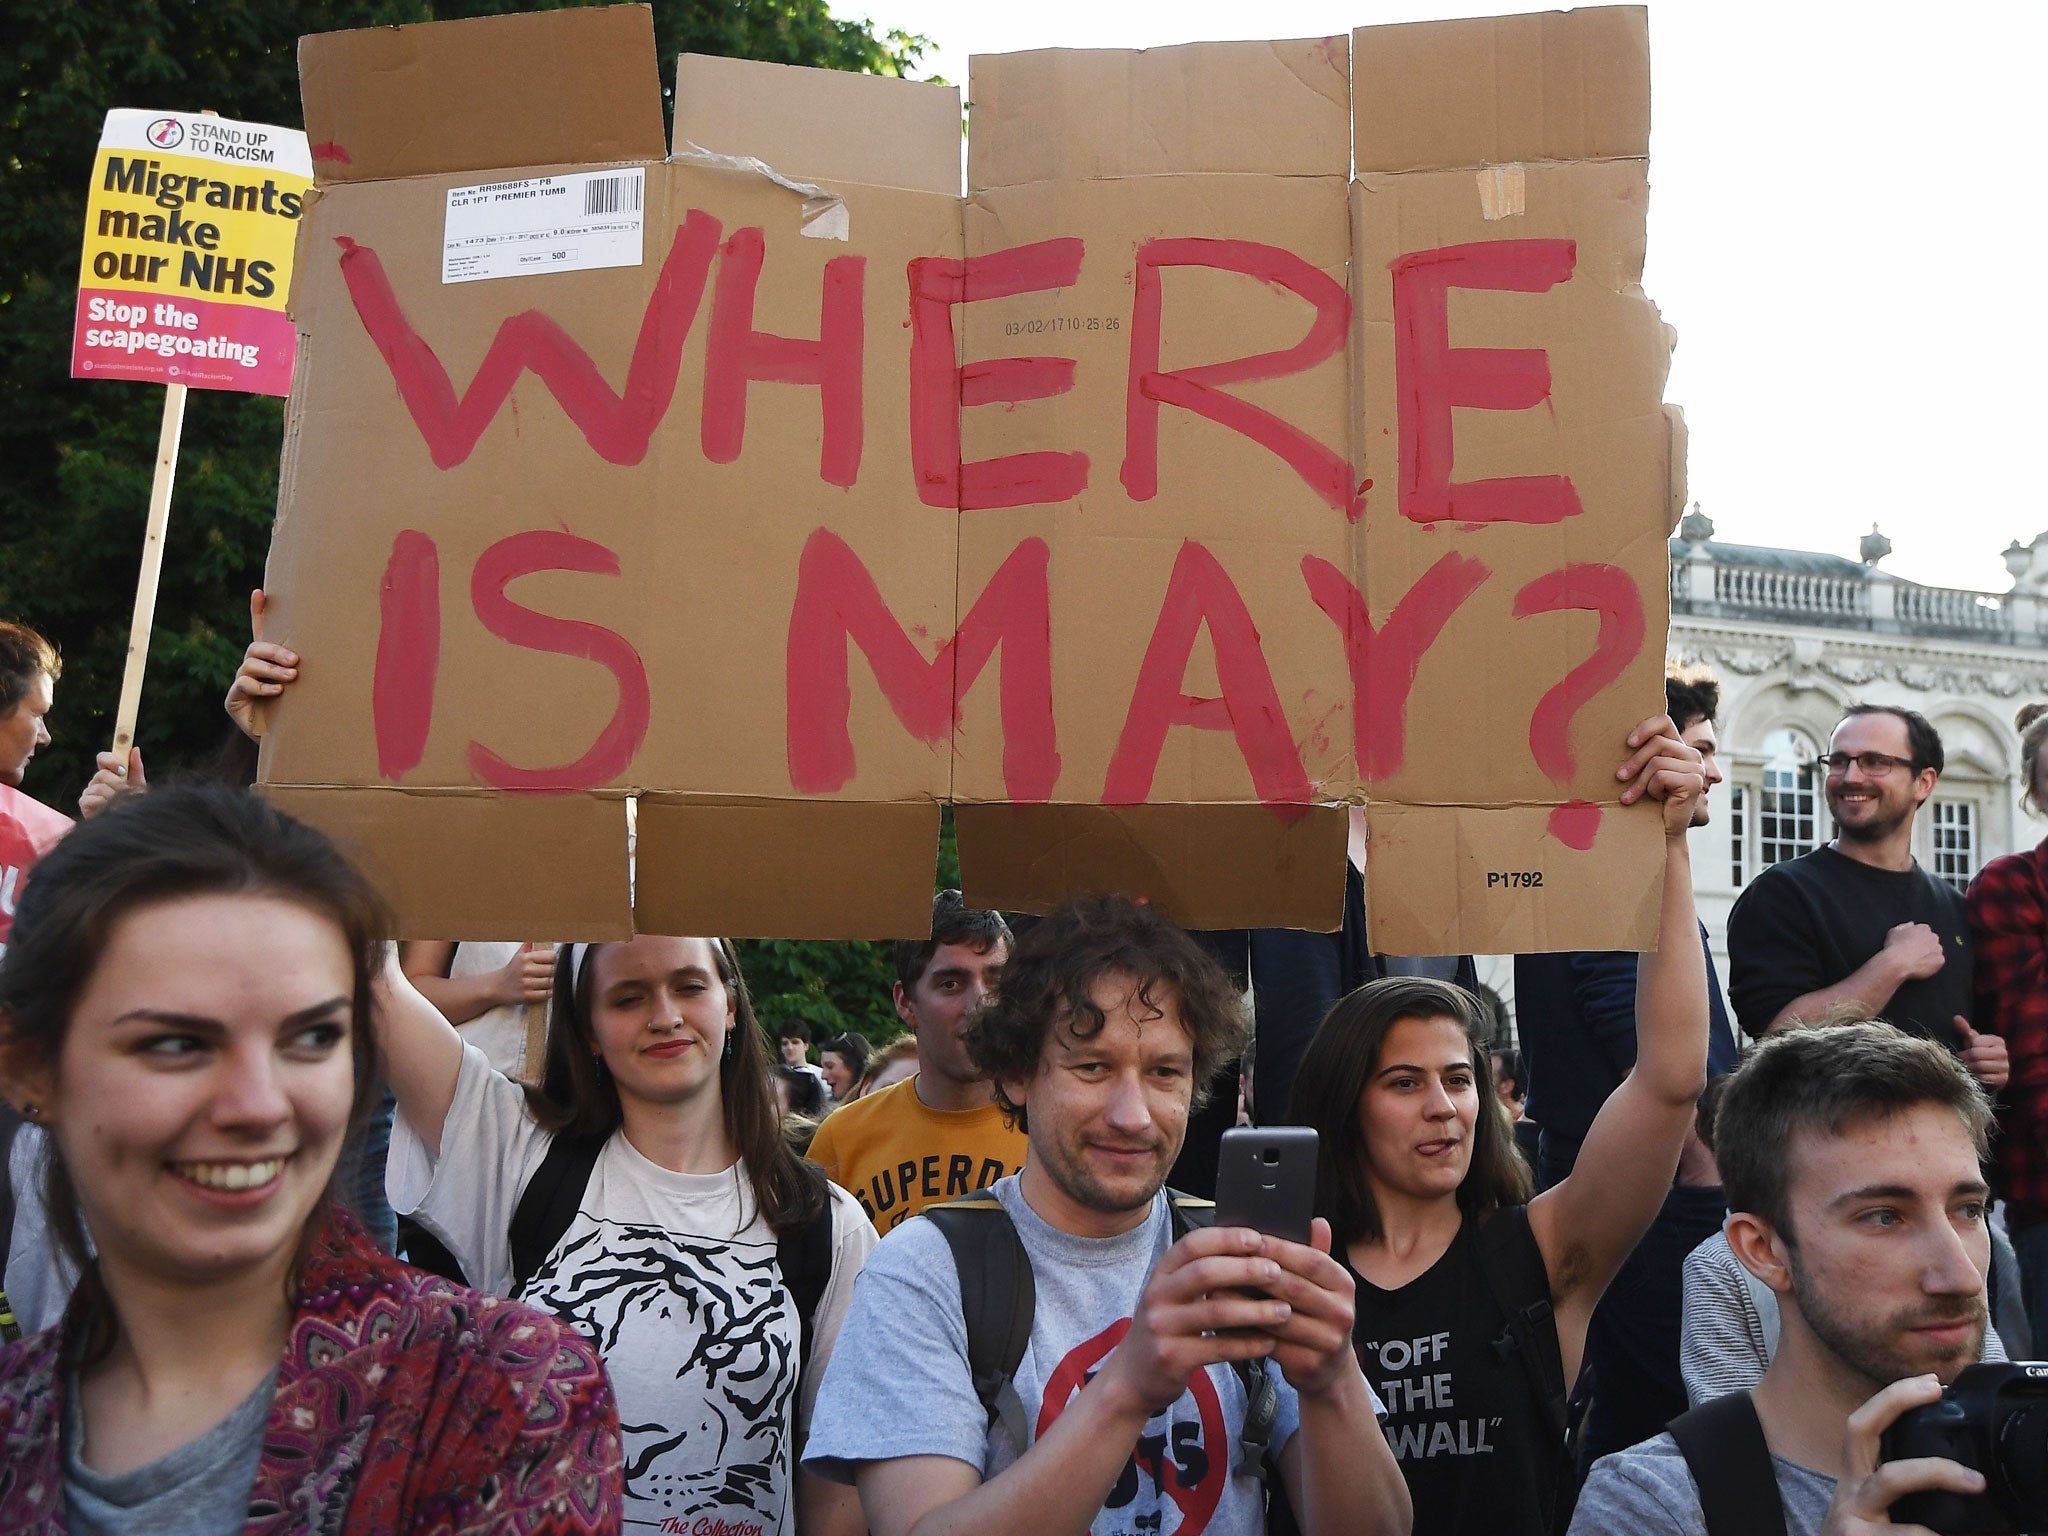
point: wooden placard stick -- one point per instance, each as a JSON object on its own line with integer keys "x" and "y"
{"x": 152, "y": 567}
{"x": 536, "y": 1063}
{"x": 144, "y": 618}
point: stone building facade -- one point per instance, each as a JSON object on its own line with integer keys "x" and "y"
{"x": 1795, "y": 636}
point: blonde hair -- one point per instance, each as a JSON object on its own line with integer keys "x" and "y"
{"x": 902, "y": 1048}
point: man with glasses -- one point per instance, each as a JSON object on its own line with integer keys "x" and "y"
{"x": 1858, "y": 922}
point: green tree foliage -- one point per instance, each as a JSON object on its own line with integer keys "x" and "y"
{"x": 833, "y": 988}
{"x": 76, "y": 456}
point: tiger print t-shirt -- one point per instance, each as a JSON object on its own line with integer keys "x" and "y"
{"x": 674, "y": 1277}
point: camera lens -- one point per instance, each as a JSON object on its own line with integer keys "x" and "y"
{"x": 2023, "y": 1457}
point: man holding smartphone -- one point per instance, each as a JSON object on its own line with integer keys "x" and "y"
{"x": 1109, "y": 1027}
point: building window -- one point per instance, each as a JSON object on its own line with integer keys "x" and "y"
{"x": 1788, "y": 810}
{"x": 1955, "y": 841}
{"x": 1738, "y": 832}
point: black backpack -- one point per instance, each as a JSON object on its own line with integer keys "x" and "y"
{"x": 998, "y": 1299}
{"x": 1723, "y": 1443}
{"x": 553, "y": 1195}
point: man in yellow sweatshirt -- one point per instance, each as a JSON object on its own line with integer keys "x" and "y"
{"x": 938, "y": 1135}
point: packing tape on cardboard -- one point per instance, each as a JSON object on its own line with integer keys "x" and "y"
{"x": 1503, "y": 191}
{"x": 824, "y": 215}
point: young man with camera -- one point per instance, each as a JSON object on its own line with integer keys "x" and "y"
{"x": 1151, "y": 1358}
{"x": 1851, "y": 1157}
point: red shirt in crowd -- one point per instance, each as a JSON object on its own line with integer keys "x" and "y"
{"x": 28, "y": 830}
{"x": 2008, "y": 904}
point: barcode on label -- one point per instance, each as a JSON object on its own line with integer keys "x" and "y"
{"x": 611, "y": 194}
{"x": 584, "y": 222}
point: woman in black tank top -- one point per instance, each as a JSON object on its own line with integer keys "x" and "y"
{"x": 1431, "y": 1210}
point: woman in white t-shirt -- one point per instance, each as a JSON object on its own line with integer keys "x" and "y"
{"x": 670, "y": 1261}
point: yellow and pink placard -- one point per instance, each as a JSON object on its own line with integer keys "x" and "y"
{"x": 189, "y": 229}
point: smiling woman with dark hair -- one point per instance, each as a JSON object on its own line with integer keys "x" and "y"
{"x": 187, "y": 1013}
{"x": 1474, "y": 1299}
{"x": 844, "y": 1061}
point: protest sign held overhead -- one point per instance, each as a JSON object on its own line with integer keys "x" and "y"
{"x": 190, "y": 224}
{"x": 1191, "y": 478}
{"x": 189, "y": 228}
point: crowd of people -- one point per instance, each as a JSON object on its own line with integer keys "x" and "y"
{"x": 308, "y": 1231}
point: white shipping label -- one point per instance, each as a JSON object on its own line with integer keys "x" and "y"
{"x": 568, "y": 223}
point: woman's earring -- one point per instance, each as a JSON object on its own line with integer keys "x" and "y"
{"x": 29, "y": 1111}
{"x": 728, "y": 1045}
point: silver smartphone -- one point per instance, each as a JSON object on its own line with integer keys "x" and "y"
{"x": 1266, "y": 1180}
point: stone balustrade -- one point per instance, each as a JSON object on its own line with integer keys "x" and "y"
{"x": 1715, "y": 585}
{"x": 1795, "y": 593}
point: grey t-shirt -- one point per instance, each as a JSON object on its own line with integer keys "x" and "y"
{"x": 200, "y": 1489}
{"x": 898, "y": 1384}
{"x": 1648, "y": 1490}
{"x": 39, "y": 1277}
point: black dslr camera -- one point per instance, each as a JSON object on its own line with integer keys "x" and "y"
{"x": 1993, "y": 1419}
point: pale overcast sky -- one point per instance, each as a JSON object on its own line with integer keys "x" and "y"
{"x": 1846, "y": 204}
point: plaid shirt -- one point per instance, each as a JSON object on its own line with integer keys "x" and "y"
{"x": 405, "y": 1406}
{"x": 2008, "y": 904}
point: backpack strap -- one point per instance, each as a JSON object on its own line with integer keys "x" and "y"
{"x": 1723, "y": 1443}
{"x": 550, "y": 1201}
{"x": 998, "y": 1299}
{"x": 1512, "y": 1263}
{"x": 1261, "y": 1396}
{"x": 804, "y": 1255}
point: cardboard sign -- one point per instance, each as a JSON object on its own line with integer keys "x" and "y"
{"x": 1171, "y": 492}
{"x": 189, "y": 228}
{"x": 28, "y": 830}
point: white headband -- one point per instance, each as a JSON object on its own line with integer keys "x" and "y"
{"x": 579, "y": 954}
